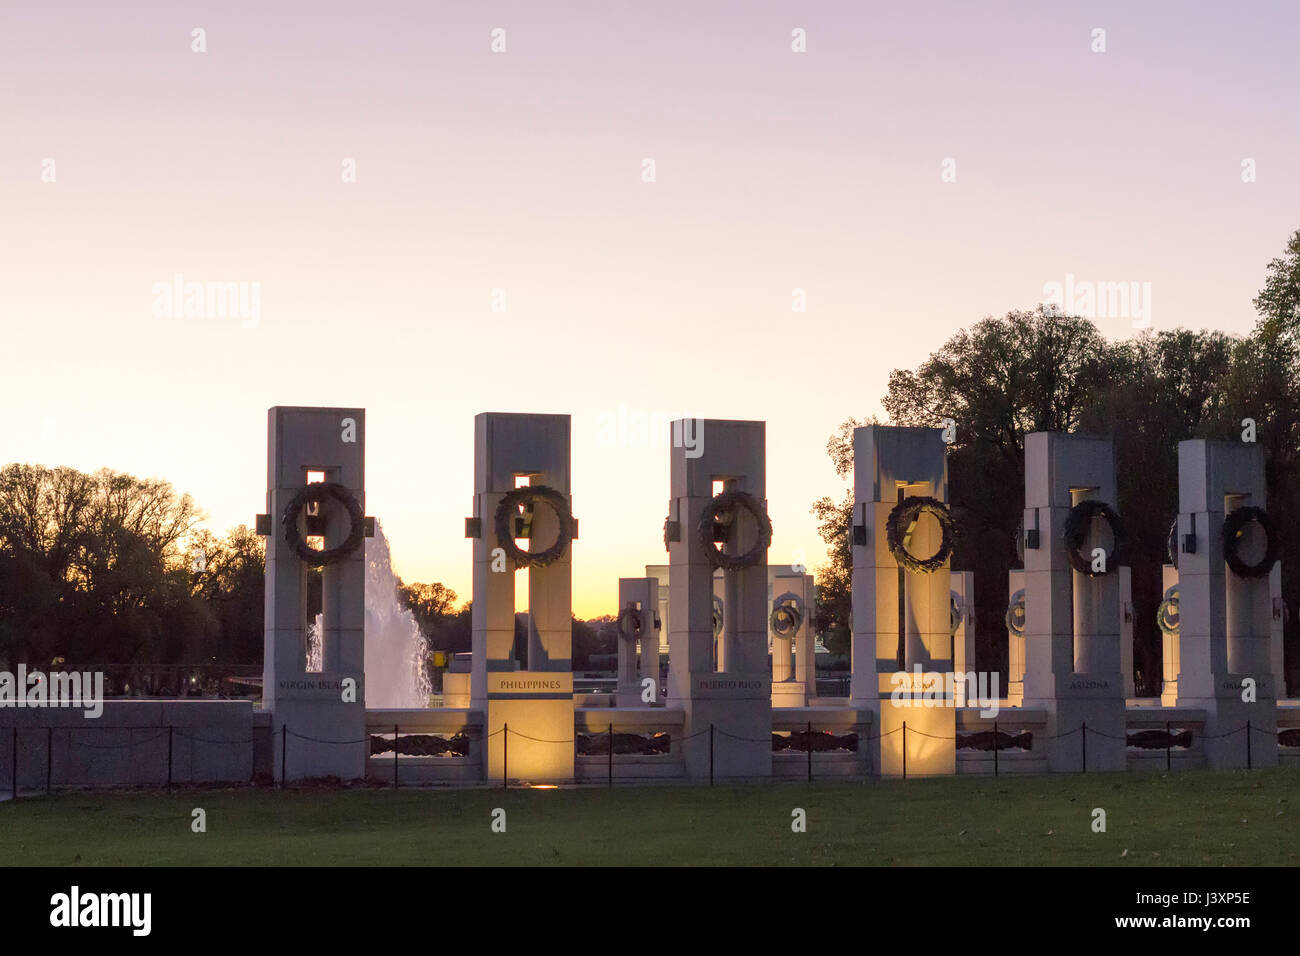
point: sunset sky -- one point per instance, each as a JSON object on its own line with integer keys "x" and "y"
{"x": 523, "y": 171}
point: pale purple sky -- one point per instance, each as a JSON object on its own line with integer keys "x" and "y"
{"x": 522, "y": 171}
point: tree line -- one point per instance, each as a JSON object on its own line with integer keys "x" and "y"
{"x": 1037, "y": 370}
{"x": 108, "y": 572}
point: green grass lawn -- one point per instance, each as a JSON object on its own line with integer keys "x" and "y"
{"x": 1245, "y": 818}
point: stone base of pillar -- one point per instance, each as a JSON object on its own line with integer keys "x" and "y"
{"x": 1169, "y": 694}
{"x": 1102, "y": 711}
{"x": 789, "y": 693}
{"x": 1015, "y": 694}
{"x": 325, "y": 739}
{"x": 739, "y": 708}
{"x": 930, "y": 741}
{"x": 1226, "y": 715}
{"x": 629, "y": 695}
{"x": 537, "y": 708}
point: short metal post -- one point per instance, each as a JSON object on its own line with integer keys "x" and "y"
{"x": 904, "y": 750}
{"x": 611, "y": 756}
{"x": 505, "y": 756}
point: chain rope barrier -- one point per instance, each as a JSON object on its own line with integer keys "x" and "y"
{"x": 610, "y": 735}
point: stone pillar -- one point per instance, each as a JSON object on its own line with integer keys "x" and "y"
{"x": 652, "y": 639}
{"x": 1072, "y": 633}
{"x": 536, "y": 703}
{"x": 782, "y": 659}
{"x": 963, "y": 638}
{"x": 805, "y": 642}
{"x": 890, "y": 465}
{"x": 1276, "y": 629}
{"x": 735, "y": 701}
{"x": 1169, "y": 665}
{"x": 1015, "y": 642}
{"x": 1126, "y": 629}
{"x": 1225, "y": 620}
{"x": 659, "y": 573}
{"x": 720, "y": 622}
{"x": 790, "y": 687}
{"x": 638, "y": 601}
{"x": 327, "y": 706}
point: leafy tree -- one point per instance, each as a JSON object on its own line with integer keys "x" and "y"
{"x": 1278, "y": 303}
{"x": 1265, "y": 386}
{"x": 111, "y": 572}
{"x": 1039, "y": 371}
{"x": 596, "y": 636}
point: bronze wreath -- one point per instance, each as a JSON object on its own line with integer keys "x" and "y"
{"x": 1168, "y": 608}
{"x": 1233, "y": 525}
{"x": 904, "y": 514}
{"x": 786, "y": 619}
{"x": 632, "y": 616}
{"x": 1076, "y": 523}
{"x": 315, "y": 493}
{"x": 731, "y": 501}
{"x": 507, "y": 511}
{"x": 1015, "y": 616}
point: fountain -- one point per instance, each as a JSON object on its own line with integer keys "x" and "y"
{"x": 397, "y": 674}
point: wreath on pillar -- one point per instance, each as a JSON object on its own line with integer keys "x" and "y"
{"x": 729, "y": 504}
{"x": 901, "y": 519}
{"x": 1015, "y": 617}
{"x": 787, "y": 616}
{"x": 1233, "y": 526}
{"x": 1076, "y": 526}
{"x": 316, "y": 493}
{"x": 508, "y": 510}
{"x": 629, "y": 623}
{"x": 1167, "y": 613}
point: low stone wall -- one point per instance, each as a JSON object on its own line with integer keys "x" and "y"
{"x": 418, "y": 763}
{"x": 134, "y": 742}
{"x": 835, "y": 727}
{"x": 1288, "y": 719}
{"x": 263, "y": 745}
{"x": 595, "y": 722}
{"x": 1020, "y": 747}
{"x": 151, "y": 742}
{"x": 1170, "y": 737}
